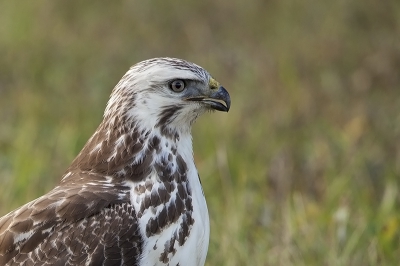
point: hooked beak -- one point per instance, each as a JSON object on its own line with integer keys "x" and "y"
{"x": 218, "y": 100}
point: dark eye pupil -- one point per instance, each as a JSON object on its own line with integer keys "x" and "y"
{"x": 178, "y": 85}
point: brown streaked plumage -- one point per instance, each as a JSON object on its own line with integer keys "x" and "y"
{"x": 132, "y": 195}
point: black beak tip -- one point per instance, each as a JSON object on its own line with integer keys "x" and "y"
{"x": 228, "y": 102}
{"x": 223, "y": 95}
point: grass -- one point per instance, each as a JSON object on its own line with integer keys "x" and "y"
{"x": 304, "y": 169}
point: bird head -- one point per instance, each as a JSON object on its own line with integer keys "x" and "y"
{"x": 167, "y": 93}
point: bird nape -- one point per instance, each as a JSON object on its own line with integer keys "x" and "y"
{"x": 132, "y": 196}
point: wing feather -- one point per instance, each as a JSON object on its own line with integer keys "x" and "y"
{"x": 76, "y": 223}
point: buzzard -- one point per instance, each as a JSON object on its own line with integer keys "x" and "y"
{"x": 132, "y": 196}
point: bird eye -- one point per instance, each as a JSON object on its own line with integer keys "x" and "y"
{"x": 177, "y": 85}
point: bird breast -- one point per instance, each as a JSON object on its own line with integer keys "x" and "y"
{"x": 171, "y": 208}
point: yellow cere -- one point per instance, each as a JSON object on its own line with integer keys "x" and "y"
{"x": 213, "y": 84}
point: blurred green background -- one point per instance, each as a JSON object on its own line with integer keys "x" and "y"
{"x": 304, "y": 169}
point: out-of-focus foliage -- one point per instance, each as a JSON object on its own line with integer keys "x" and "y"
{"x": 304, "y": 169}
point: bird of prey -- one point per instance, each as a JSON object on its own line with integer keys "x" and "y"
{"x": 132, "y": 196}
